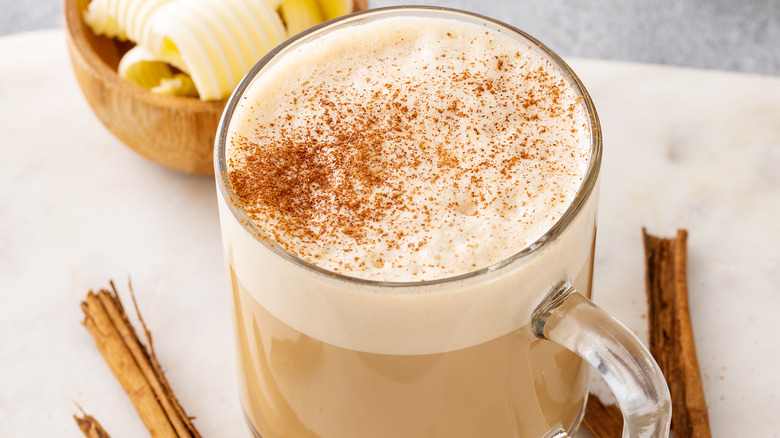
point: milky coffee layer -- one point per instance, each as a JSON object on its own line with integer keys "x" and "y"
{"x": 408, "y": 149}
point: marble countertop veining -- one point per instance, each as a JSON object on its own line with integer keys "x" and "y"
{"x": 683, "y": 148}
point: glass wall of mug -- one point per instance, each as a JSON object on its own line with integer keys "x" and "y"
{"x": 325, "y": 354}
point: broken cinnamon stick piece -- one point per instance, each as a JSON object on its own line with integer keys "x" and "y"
{"x": 671, "y": 333}
{"x": 136, "y": 370}
{"x": 90, "y": 427}
{"x": 602, "y": 421}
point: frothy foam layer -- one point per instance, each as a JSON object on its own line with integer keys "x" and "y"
{"x": 350, "y": 167}
{"x": 408, "y": 149}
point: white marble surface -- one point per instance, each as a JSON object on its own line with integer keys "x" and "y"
{"x": 683, "y": 148}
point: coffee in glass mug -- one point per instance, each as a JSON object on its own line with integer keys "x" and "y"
{"x": 408, "y": 203}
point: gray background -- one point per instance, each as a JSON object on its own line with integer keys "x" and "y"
{"x": 734, "y": 35}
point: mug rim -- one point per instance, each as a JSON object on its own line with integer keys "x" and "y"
{"x": 226, "y": 191}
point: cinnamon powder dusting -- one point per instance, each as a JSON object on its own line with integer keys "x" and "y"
{"x": 299, "y": 180}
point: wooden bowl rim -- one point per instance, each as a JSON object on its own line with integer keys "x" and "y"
{"x": 75, "y": 30}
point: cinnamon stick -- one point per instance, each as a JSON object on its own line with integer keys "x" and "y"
{"x": 90, "y": 427}
{"x": 136, "y": 369}
{"x": 671, "y": 344}
{"x": 671, "y": 333}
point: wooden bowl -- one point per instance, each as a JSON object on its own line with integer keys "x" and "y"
{"x": 177, "y": 132}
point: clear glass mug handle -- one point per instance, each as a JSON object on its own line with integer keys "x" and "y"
{"x": 570, "y": 319}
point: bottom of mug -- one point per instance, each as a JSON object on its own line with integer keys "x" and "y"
{"x": 252, "y": 429}
{"x": 554, "y": 433}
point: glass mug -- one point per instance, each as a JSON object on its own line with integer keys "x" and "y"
{"x": 498, "y": 352}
